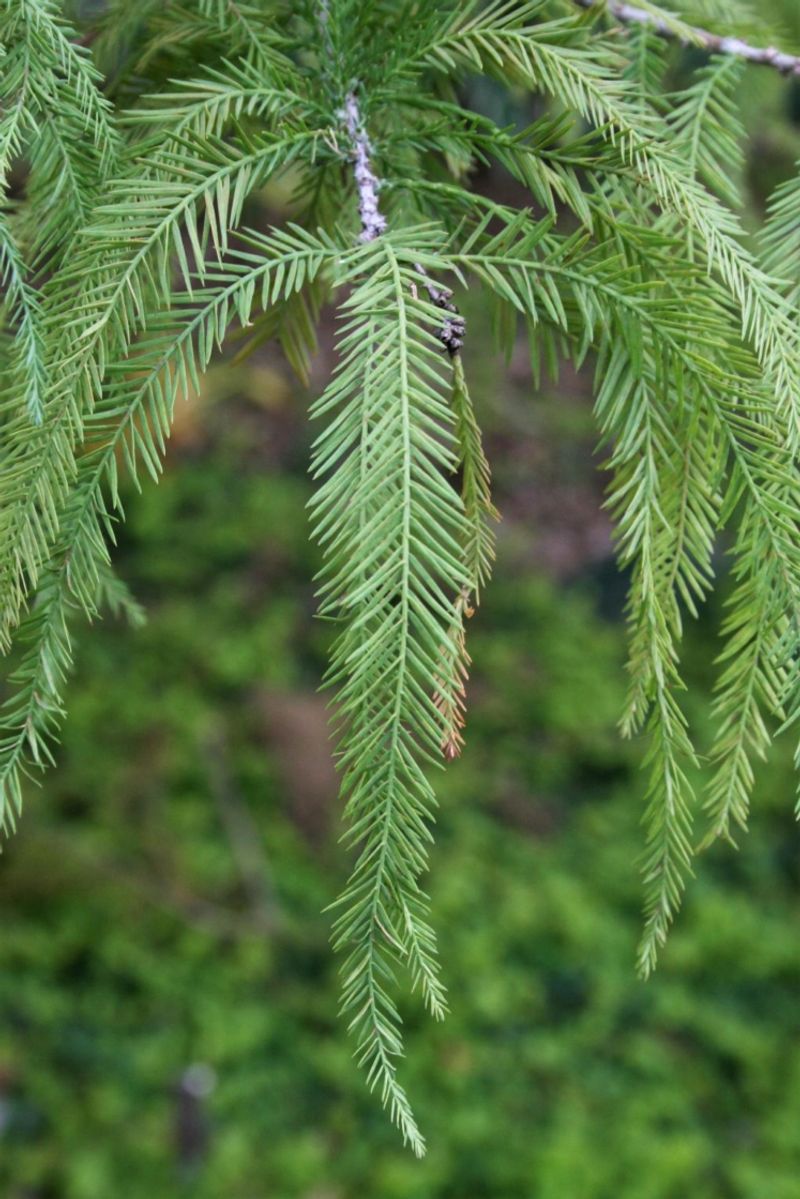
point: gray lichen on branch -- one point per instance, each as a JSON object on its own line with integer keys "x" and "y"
{"x": 373, "y": 222}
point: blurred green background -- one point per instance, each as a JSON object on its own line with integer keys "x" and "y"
{"x": 167, "y": 993}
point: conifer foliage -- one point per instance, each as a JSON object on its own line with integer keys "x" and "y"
{"x": 130, "y": 144}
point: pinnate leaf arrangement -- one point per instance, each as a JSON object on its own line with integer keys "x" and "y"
{"x": 129, "y": 148}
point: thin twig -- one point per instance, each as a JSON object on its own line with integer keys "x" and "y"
{"x": 373, "y": 223}
{"x": 714, "y": 43}
{"x": 453, "y": 705}
{"x": 451, "y": 334}
{"x": 168, "y": 895}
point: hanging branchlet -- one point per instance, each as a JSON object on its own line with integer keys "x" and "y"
{"x": 396, "y": 726}
{"x": 451, "y": 698}
{"x": 479, "y": 552}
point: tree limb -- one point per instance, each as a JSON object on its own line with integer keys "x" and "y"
{"x": 714, "y": 43}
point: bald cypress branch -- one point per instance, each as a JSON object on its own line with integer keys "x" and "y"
{"x": 128, "y": 259}
{"x": 693, "y": 35}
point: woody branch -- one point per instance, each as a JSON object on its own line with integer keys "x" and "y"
{"x": 714, "y": 43}
{"x": 373, "y": 223}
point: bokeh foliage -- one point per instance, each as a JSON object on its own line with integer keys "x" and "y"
{"x": 136, "y": 941}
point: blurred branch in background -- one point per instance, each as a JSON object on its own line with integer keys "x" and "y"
{"x": 674, "y": 29}
{"x": 168, "y": 894}
{"x": 243, "y": 835}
